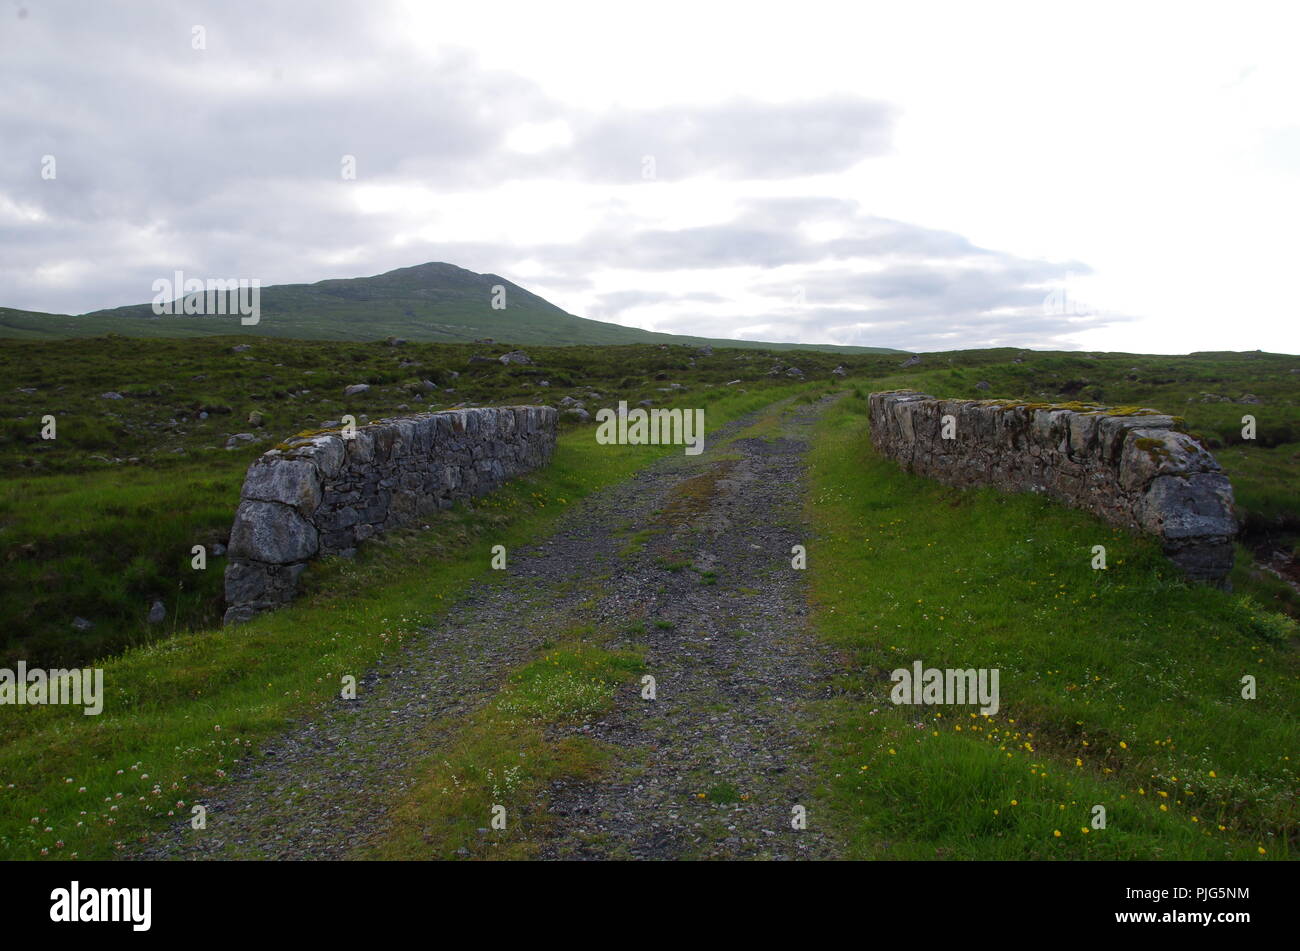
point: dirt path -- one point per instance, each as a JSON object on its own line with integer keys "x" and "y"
{"x": 694, "y": 552}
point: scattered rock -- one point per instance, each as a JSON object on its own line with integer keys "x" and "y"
{"x": 356, "y": 389}
{"x": 839, "y": 371}
{"x": 157, "y": 613}
{"x": 911, "y": 361}
{"x": 983, "y": 385}
{"x": 240, "y": 347}
{"x": 81, "y": 624}
{"x": 578, "y": 413}
{"x": 515, "y": 357}
{"x": 255, "y": 418}
{"x": 110, "y": 395}
{"x": 235, "y": 440}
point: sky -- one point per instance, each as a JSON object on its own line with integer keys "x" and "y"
{"x": 923, "y": 176}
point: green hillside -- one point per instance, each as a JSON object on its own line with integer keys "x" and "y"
{"x": 432, "y": 303}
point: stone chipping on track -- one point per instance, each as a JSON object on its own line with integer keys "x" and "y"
{"x": 712, "y": 768}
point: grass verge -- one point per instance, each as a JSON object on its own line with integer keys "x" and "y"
{"x": 1119, "y": 688}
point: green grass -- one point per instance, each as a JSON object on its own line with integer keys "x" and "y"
{"x": 505, "y": 755}
{"x": 184, "y": 711}
{"x": 722, "y": 793}
{"x": 1118, "y": 688}
{"x": 100, "y": 522}
{"x": 95, "y": 546}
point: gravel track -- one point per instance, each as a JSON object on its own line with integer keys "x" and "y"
{"x": 735, "y": 661}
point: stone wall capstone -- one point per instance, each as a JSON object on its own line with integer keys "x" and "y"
{"x": 324, "y": 494}
{"x": 1133, "y": 468}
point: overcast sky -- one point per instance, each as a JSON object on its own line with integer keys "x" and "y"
{"x": 920, "y": 176}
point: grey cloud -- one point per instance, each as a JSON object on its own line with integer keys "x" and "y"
{"x": 920, "y": 288}
{"x": 756, "y": 238}
{"x": 227, "y": 159}
{"x": 987, "y": 285}
{"x": 615, "y": 302}
{"x": 226, "y": 162}
{"x": 904, "y": 328}
{"x": 740, "y": 139}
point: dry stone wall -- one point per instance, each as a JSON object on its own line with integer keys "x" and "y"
{"x": 1132, "y": 468}
{"x": 325, "y": 494}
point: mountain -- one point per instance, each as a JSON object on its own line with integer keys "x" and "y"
{"x": 434, "y": 302}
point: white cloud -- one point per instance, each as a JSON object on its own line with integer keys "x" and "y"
{"x": 925, "y": 172}
{"x": 531, "y": 138}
